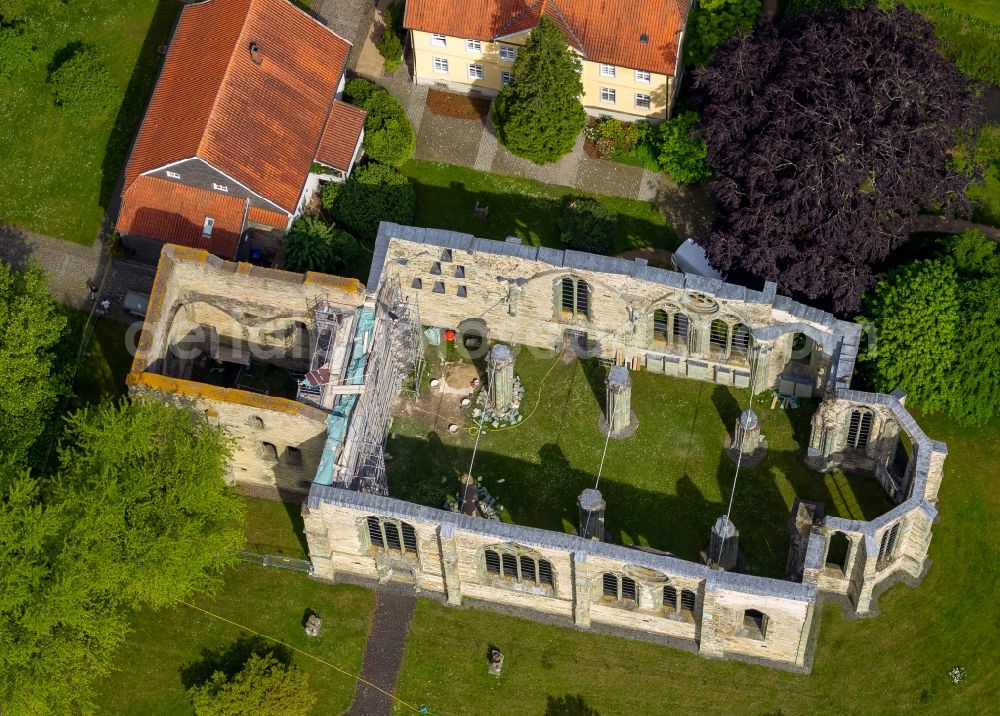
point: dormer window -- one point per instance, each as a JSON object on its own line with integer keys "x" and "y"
{"x": 644, "y": 38}
{"x": 173, "y": 175}
{"x": 206, "y": 228}
{"x": 220, "y": 187}
{"x": 255, "y": 55}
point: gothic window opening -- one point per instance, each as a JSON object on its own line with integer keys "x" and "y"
{"x": 519, "y": 568}
{"x": 661, "y": 326}
{"x": 687, "y": 601}
{"x": 682, "y": 327}
{"x": 268, "y": 451}
{"x": 754, "y": 624}
{"x": 859, "y": 429}
{"x": 392, "y": 535}
{"x": 718, "y": 337}
{"x": 836, "y": 553}
{"x": 741, "y": 339}
{"x": 574, "y": 297}
{"x": 621, "y": 589}
{"x": 670, "y": 597}
{"x": 293, "y": 456}
{"x": 887, "y": 546}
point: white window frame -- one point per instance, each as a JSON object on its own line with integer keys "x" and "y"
{"x": 646, "y": 103}
{"x": 505, "y": 77}
{"x": 439, "y": 40}
{"x": 475, "y": 71}
{"x": 608, "y": 95}
{"x": 643, "y": 77}
{"x": 173, "y": 175}
{"x": 440, "y": 65}
{"x": 508, "y": 50}
{"x": 474, "y": 47}
{"x": 220, "y": 187}
{"x": 207, "y": 227}
{"x": 608, "y": 70}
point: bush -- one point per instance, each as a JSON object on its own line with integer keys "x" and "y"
{"x": 264, "y": 687}
{"x": 17, "y": 53}
{"x": 713, "y": 22}
{"x": 682, "y": 152}
{"x": 586, "y": 225}
{"x": 374, "y": 193}
{"x": 613, "y": 136}
{"x": 311, "y": 245}
{"x": 82, "y": 85}
{"x": 389, "y": 137}
{"x": 390, "y": 45}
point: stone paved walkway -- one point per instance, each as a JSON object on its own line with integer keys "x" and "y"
{"x": 69, "y": 265}
{"x": 394, "y": 606}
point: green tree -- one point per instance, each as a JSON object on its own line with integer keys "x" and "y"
{"x": 538, "y": 115}
{"x": 372, "y": 194}
{"x": 17, "y": 52}
{"x": 682, "y": 152}
{"x": 390, "y": 44}
{"x": 312, "y": 245}
{"x": 149, "y": 479}
{"x": 82, "y": 85}
{"x": 263, "y": 687}
{"x": 389, "y": 136}
{"x": 30, "y": 330}
{"x": 915, "y": 316}
{"x": 713, "y": 22}
{"x": 59, "y": 625}
{"x": 586, "y": 225}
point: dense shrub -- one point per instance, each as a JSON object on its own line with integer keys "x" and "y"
{"x": 264, "y": 687}
{"x": 389, "y": 137}
{"x": 713, "y": 22}
{"x": 613, "y": 137}
{"x": 82, "y": 85}
{"x": 372, "y": 194}
{"x": 586, "y": 225}
{"x": 390, "y": 45}
{"x": 311, "y": 245}
{"x": 17, "y": 53}
{"x": 682, "y": 152}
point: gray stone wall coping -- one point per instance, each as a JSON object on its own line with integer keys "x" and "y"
{"x": 532, "y": 536}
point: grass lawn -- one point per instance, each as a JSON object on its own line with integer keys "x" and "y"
{"x": 969, "y": 31}
{"x": 897, "y": 662}
{"x": 56, "y": 175}
{"x": 106, "y": 362}
{"x": 665, "y": 486}
{"x": 149, "y": 676}
{"x": 275, "y": 528}
{"x": 530, "y": 210}
{"x": 988, "y": 193}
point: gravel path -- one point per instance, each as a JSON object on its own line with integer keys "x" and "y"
{"x": 394, "y": 605}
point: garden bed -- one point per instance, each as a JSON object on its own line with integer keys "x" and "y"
{"x": 457, "y": 106}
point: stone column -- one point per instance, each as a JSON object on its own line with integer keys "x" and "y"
{"x": 449, "y": 565}
{"x": 711, "y": 643}
{"x": 724, "y": 546}
{"x": 591, "y": 506}
{"x": 619, "y": 399}
{"x": 746, "y": 437}
{"x": 500, "y": 362}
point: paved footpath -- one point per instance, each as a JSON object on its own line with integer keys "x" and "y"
{"x": 394, "y": 605}
{"x": 69, "y": 265}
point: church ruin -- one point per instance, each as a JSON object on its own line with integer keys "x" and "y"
{"x": 352, "y": 347}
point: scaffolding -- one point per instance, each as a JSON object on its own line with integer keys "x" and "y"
{"x": 387, "y": 347}
{"x": 329, "y": 355}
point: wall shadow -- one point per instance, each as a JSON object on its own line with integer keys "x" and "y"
{"x": 231, "y": 658}
{"x": 14, "y": 247}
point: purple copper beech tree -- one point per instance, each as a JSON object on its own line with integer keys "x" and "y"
{"x": 826, "y": 135}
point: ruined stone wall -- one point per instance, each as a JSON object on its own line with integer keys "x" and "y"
{"x": 449, "y": 559}
{"x": 647, "y": 317}
{"x": 277, "y": 441}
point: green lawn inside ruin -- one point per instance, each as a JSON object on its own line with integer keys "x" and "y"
{"x": 664, "y": 486}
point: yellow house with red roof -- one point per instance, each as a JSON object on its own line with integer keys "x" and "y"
{"x": 630, "y": 50}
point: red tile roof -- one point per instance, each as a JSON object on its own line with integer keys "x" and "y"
{"x": 175, "y": 213}
{"x": 259, "y": 124}
{"x": 605, "y": 31}
{"x": 268, "y": 218}
{"x": 340, "y": 138}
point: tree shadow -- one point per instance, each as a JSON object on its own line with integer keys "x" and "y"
{"x": 230, "y": 659}
{"x": 569, "y": 705}
{"x": 133, "y": 106}
{"x": 64, "y": 54}
{"x": 14, "y": 247}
